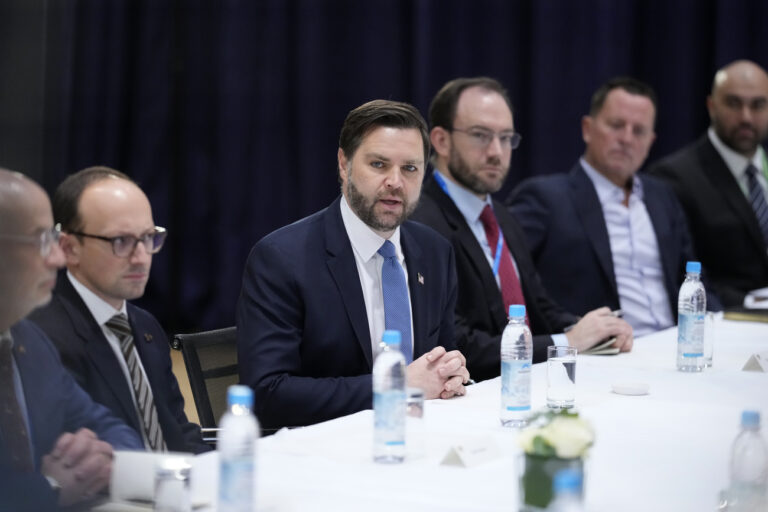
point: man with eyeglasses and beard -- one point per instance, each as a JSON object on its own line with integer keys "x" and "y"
{"x": 116, "y": 351}
{"x": 473, "y": 136}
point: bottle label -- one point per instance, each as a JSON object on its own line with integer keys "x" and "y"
{"x": 389, "y": 416}
{"x": 236, "y": 481}
{"x": 690, "y": 334}
{"x": 516, "y": 385}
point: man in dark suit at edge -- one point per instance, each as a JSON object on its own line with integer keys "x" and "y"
{"x": 316, "y": 294}
{"x": 116, "y": 351}
{"x": 473, "y": 137}
{"x": 722, "y": 183}
{"x": 55, "y": 442}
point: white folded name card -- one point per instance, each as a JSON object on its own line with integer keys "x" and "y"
{"x": 757, "y": 363}
{"x": 471, "y": 452}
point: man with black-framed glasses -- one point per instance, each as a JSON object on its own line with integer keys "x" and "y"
{"x": 55, "y": 442}
{"x": 118, "y": 352}
{"x": 473, "y": 136}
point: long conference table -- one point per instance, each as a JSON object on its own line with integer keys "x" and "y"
{"x": 667, "y": 450}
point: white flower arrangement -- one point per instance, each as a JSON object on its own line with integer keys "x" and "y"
{"x": 563, "y": 434}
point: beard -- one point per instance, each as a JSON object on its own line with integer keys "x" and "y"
{"x": 744, "y": 145}
{"x": 462, "y": 173}
{"x": 365, "y": 208}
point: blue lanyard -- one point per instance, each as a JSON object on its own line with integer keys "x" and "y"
{"x": 497, "y": 257}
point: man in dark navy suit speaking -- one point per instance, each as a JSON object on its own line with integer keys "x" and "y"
{"x": 318, "y": 294}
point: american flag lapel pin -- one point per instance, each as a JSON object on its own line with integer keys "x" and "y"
{"x": 420, "y": 277}
{"x": 147, "y": 337}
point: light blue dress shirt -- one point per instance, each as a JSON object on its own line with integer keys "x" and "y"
{"x": 635, "y": 252}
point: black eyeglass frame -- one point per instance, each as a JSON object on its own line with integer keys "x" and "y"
{"x": 131, "y": 241}
{"x": 478, "y": 133}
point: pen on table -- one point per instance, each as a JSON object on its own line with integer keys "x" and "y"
{"x": 617, "y": 313}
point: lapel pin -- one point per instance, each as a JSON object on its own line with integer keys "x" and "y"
{"x": 147, "y": 337}
{"x": 22, "y": 349}
{"x": 420, "y": 277}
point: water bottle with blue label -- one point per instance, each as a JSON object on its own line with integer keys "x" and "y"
{"x": 389, "y": 401}
{"x": 237, "y": 452}
{"x": 516, "y": 360}
{"x": 691, "y": 310}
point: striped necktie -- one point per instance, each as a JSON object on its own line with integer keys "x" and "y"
{"x": 13, "y": 427}
{"x": 397, "y": 312}
{"x": 118, "y": 324}
{"x": 757, "y": 200}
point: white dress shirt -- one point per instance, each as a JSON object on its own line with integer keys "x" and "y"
{"x": 737, "y": 163}
{"x": 102, "y": 312}
{"x": 635, "y": 253}
{"x": 365, "y": 244}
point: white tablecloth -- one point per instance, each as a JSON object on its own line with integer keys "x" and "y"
{"x": 666, "y": 451}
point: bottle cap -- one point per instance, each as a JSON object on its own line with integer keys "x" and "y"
{"x": 516, "y": 310}
{"x": 391, "y": 337}
{"x": 240, "y": 395}
{"x": 750, "y": 419}
{"x": 568, "y": 480}
{"x": 693, "y": 266}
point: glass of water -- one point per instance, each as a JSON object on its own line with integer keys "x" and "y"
{"x": 172, "y": 485}
{"x": 561, "y": 377}
{"x": 711, "y": 324}
{"x": 414, "y": 424}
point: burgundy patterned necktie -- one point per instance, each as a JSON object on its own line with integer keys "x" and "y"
{"x": 511, "y": 290}
{"x": 12, "y": 423}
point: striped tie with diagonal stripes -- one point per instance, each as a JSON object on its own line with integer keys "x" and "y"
{"x": 757, "y": 199}
{"x": 141, "y": 390}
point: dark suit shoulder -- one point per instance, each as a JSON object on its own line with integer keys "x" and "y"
{"x": 685, "y": 161}
{"x": 428, "y": 237}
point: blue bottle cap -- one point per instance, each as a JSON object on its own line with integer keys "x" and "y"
{"x": 693, "y": 266}
{"x": 240, "y": 395}
{"x": 516, "y": 310}
{"x": 750, "y": 419}
{"x": 391, "y": 337}
{"x": 568, "y": 480}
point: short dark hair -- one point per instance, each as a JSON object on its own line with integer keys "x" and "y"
{"x": 627, "y": 83}
{"x": 442, "y": 110}
{"x": 375, "y": 114}
{"x": 66, "y": 199}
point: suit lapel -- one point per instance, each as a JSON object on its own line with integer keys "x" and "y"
{"x": 590, "y": 213}
{"x": 469, "y": 245}
{"x": 343, "y": 269}
{"x": 417, "y": 286}
{"x": 97, "y": 348}
{"x": 664, "y": 238}
{"x": 722, "y": 179}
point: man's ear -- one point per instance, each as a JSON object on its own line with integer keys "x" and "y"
{"x": 441, "y": 141}
{"x": 343, "y": 165}
{"x": 71, "y": 248}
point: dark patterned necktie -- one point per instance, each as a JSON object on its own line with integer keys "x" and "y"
{"x": 757, "y": 200}
{"x": 12, "y": 423}
{"x": 141, "y": 390}
{"x": 511, "y": 290}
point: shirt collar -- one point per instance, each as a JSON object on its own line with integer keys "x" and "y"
{"x": 736, "y": 163}
{"x": 607, "y": 191}
{"x": 365, "y": 241}
{"x": 98, "y": 307}
{"x": 468, "y": 203}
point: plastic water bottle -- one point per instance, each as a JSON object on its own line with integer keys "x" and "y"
{"x": 237, "y": 453}
{"x": 567, "y": 489}
{"x": 691, "y": 310}
{"x": 516, "y": 360}
{"x": 749, "y": 466}
{"x": 389, "y": 401}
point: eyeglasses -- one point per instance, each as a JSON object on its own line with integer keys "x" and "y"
{"x": 482, "y": 137}
{"x": 124, "y": 245}
{"x": 44, "y": 240}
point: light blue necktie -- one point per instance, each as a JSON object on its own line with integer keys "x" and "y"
{"x": 397, "y": 312}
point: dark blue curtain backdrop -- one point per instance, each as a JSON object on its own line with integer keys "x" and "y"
{"x": 228, "y": 112}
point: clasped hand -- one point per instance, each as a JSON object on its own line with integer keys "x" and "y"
{"x": 440, "y": 374}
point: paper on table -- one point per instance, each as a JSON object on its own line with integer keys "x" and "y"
{"x": 133, "y": 476}
{"x": 757, "y": 299}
